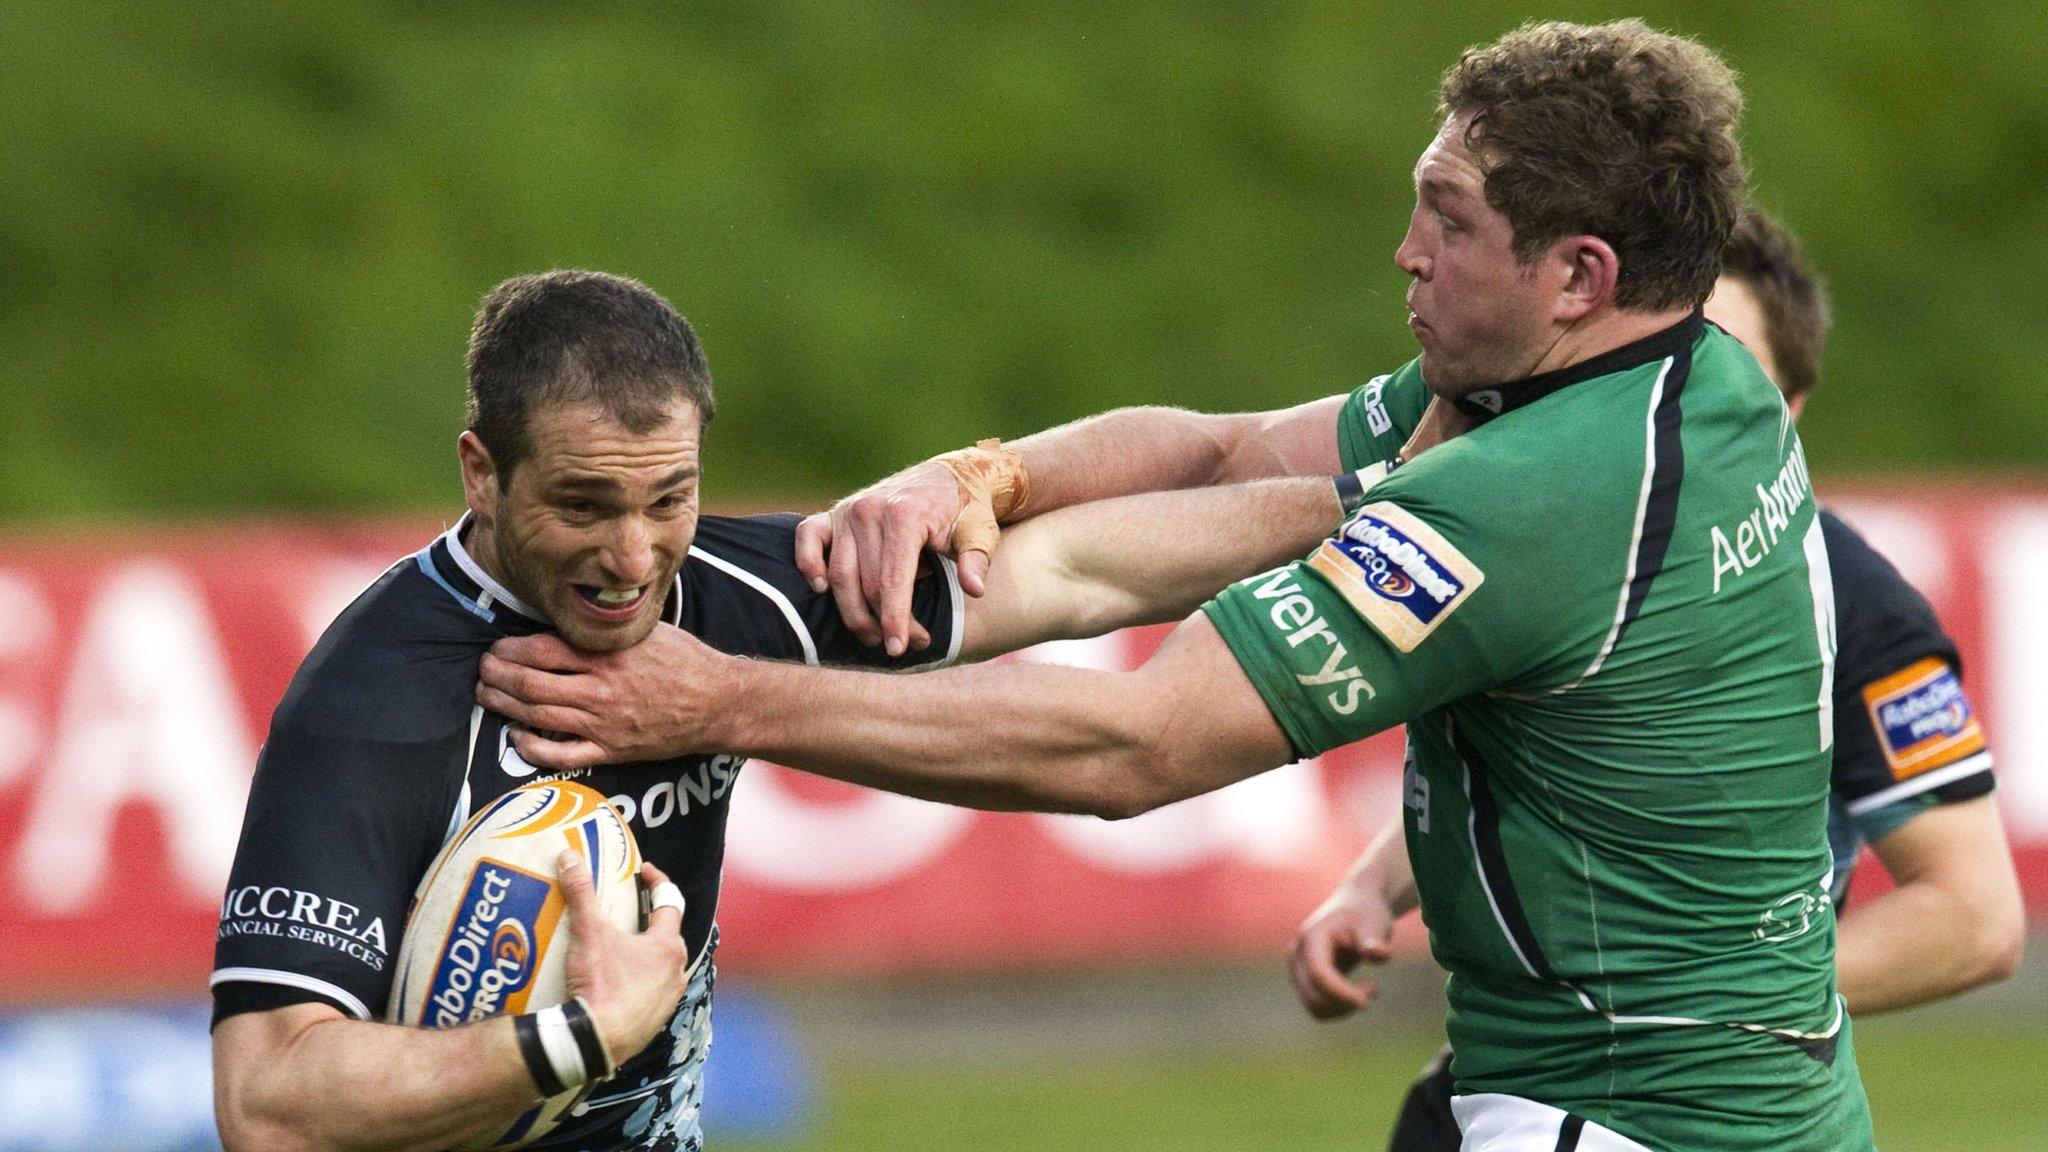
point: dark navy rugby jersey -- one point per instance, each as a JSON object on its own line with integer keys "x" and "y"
{"x": 378, "y": 752}
{"x": 1905, "y": 737}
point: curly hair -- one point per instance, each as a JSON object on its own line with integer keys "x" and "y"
{"x": 1612, "y": 130}
{"x": 1768, "y": 259}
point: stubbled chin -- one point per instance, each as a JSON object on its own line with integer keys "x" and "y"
{"x": 589, "y": 636}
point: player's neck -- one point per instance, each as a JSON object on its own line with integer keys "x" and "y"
{"x": 1602, "y": 332}
{"x": 480, "y": 544}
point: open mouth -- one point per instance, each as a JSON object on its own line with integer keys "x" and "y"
{"x": 611, "y": 601}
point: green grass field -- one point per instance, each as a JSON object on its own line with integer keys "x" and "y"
{"x": 1934, "y": 1086}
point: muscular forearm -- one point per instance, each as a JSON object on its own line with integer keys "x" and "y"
{"x": 1036, "y": 737}
{"x": 352, "y": 1084}
{"x": 998, "y": 747}
{"x": 1146, "y": 559}
{"x": 1159, "y": 449}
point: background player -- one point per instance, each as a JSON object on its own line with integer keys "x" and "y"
{"x": 588, "y": 394}
{"x": 1954, "y": 919}
{"x": 1575, "y": 643}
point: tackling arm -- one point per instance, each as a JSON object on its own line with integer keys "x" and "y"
{"x": 1097, "y": 567}
{"x": 866, "y": 548}
{"x": 1155, "y": 449}
{"x": 1024, "y": 736}
{"x": 1953, "y": 922}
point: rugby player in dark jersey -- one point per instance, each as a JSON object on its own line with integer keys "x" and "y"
{"x": 1912, "y": 776}
{"x": 580, "y": 468}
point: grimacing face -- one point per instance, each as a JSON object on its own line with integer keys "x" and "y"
{"x": 1481, "y": 316}
{"x": 595, "y": 521}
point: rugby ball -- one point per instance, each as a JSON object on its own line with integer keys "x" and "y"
{"x": 488, "y": 933}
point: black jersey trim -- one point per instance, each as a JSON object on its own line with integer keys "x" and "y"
{"x": 1656, "y": 509}
{"x": 1568, "y": 1132}
{"x": 1486, "y": 403}
{"x": 1667, "y": 472}
{"x": 1484, "y": 823}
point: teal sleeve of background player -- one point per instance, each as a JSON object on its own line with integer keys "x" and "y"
{"x": 1379, "y": 417}
{"x": 1881, "y": 822}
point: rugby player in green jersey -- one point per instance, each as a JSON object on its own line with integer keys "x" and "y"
{"x": 1603, "y": 611}
{"x": 1954, "y": 919}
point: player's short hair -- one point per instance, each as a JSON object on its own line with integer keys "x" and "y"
{"x": 571, "y": 336}
{"x": 1765, "y": 256}
{"x": 1612, "y": 130}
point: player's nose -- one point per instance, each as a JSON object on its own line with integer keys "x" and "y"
{"x": 1409, "y": 257}
{"x": 629, "y": 555}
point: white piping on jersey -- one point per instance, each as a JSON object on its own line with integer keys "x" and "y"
{"x": 346, "y": 998}
{"x": 492, "y": 589}
{"x": 586, "y": 1106}
{"x": 460, "y": 815}
{"x": 1493, "y": 903}
{"x": 796, "y": 622}
{"x": 952, "y": 571}
{"x": 1968, "y": 766}
{"x": 1635, "y": 540}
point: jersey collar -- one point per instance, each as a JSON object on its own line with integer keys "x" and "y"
{"x": 448, "y": 563}
{"x": 1484, "y": 404}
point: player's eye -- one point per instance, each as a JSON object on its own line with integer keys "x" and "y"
{"x": 577, "y": 506}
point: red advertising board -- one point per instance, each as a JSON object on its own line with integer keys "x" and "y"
{"x": 138, "y": 668}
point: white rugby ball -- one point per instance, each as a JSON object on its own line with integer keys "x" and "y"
{"x": 488, "y": 932}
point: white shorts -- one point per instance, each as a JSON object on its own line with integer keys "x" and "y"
{"x": 1497, "y": 1122}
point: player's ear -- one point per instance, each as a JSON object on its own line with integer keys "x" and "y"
{"x": 1589, "y": 271}
{"x": 479, "y": 476}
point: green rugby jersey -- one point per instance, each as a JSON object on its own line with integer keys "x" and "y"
{"x": 1605, "y": 616}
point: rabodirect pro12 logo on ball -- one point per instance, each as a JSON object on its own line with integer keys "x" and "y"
{"x": 489, "y": 958}
{"x": 1400, "y": 574}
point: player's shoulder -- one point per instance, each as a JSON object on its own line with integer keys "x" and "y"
{"x": 752, "y": 553}
{"x": 1883, "y": 623}
{"x": 398, "y": 665}
{"x": 742, "y": 591}
{"x": 1379, "y": 415}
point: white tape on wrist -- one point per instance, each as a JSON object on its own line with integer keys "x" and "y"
{"x": 560, "y": 1044}
{"x": 665, "y": 895}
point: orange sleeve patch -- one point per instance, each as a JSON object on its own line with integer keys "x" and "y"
{"x": 1922, "y": 718}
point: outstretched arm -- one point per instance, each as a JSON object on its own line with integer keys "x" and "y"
{"x": 1033, "y": 737}
{"x": 1094, "y": 568}
{"x": 866, "y": 548}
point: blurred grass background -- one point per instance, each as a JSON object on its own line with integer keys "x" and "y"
{"x": 240, "y": 242}
{"x": 1221, "y": 1058}
{"x": 1931, "y": 1089}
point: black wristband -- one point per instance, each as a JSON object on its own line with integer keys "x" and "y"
{"x": 1350, "y": 491}
{"x": 595, "y": 1058}
{"x": 527, "y": 1028}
